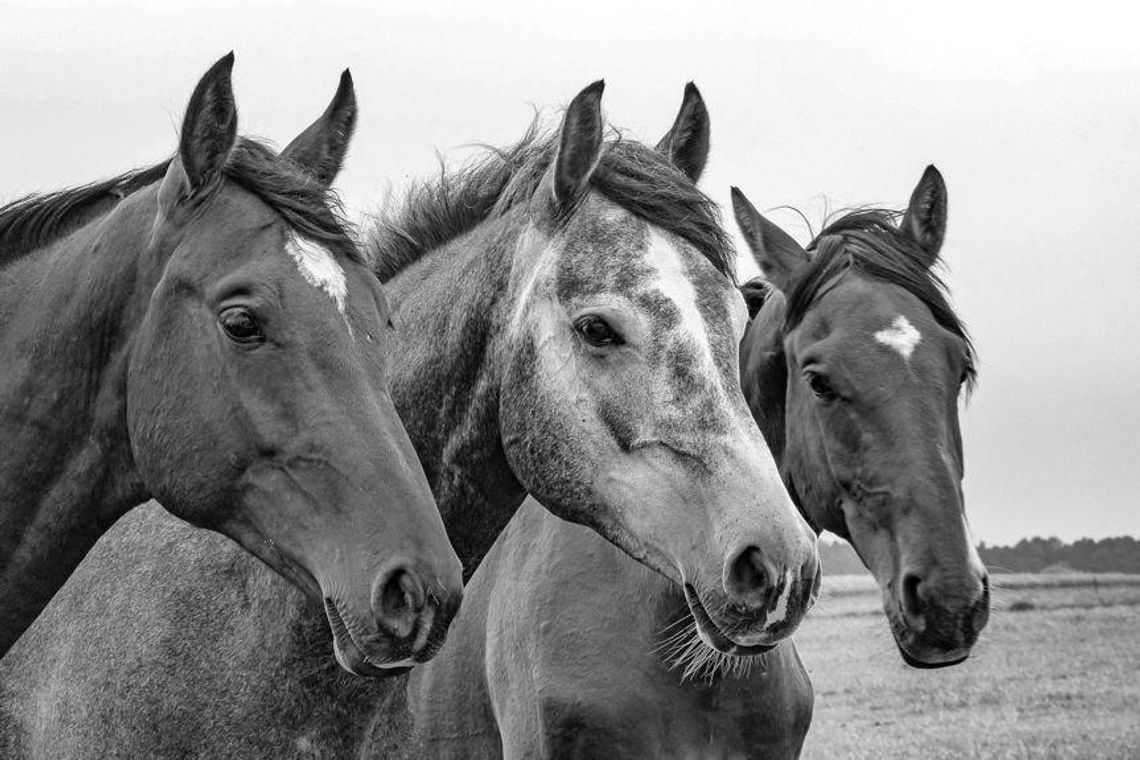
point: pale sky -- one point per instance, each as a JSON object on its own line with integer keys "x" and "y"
{"x": 1031, "y": 112}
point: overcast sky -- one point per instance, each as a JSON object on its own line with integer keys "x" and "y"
{"x": 1032, "y": 113}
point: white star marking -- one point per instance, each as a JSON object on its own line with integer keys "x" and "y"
{"x": 900, "y": 336}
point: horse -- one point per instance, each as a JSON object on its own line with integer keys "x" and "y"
{"x": 853, "y": 364}
{"x": 205, "y": 332}
{"x": 568, "y": 326}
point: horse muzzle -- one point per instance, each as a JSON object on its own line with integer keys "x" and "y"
{"x": 408, "y": 624}
{"x": 936, "y": 633}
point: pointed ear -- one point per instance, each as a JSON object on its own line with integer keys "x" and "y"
{"x": 755, "y": 292}
{"x": 687, "y": 142}
{"x": 580, "y": 146}
{"x": 925, "y": 218}
{"x": 321, "y": 148}
{"x": 775, "y": 252}
{"x": 209, "y": 129}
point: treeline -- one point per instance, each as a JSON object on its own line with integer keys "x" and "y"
{"x": 1029, "y": 555}
{"x": 1033, "y": 555}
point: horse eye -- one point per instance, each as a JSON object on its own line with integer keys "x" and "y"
{"x": 821, "y": 387}
{"x": 241, "y": 326}
{"x": 596, "y": 331}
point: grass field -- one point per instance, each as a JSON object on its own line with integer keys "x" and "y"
{"x": 1055, "y": 674}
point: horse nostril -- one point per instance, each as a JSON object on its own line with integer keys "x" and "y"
{"x": 397, "y": 600}
{"x": 748, "y": 577}
{"x": 912, "y": 604}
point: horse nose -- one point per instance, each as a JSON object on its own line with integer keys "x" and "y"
{"x": 914, "y": 602}
{"x": 754, "y": 582}
{"x": 749, "y": 578}
{"x": 922, "y": 607}
{"x": 398, "y": 599}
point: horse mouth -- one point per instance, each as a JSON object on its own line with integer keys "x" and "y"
{"x": 916, "y": 655}
{"x": 351, "y": 656}
{"x": 930, "y": 664}
{"x": 712, "y": 636}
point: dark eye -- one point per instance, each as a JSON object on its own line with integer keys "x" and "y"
{"x": 821, "y": 387}
{"x": 596, "y": 331}
{"x": 241, "y": 326}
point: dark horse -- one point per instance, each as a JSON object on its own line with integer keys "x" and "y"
{"x": 568, "y": 326}
{"x": 205, "y": 332}
{"x": 852, "y": 365}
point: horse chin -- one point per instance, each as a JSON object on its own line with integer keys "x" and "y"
{"x": 932, "y": 661}
{"x": 923, "y": 658}
{"x": 712, "y": 636}
{"x": 351, "y": 657}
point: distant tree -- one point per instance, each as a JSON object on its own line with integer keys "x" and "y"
{"x": 1120, "y": 554}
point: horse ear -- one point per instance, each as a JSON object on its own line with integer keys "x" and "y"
{"x": 925, "y": 218}
{"x": 209, "y": 129}
{"x": 687, "y": 142}
{"x": 580, "y": 146}
{"x": 775, "y": 252}
{"x": 321, "y": 148}
{"x": 755, "y": 294}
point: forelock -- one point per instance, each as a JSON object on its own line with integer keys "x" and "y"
{"x": 630, "y": 174}
{"x": 869, "y": 242}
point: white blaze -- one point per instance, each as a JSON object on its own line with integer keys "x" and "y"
{"x": 674, "y": 284}
{"x": 900, "y": 336}
{"x": 319, "y": 268}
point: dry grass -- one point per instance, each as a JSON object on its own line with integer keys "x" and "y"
{"x": 846, "y": 595}
{"x": 1059, "y": 679}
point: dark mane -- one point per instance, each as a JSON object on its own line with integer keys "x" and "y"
{"x": 870, "y": 242}
{"x": 306, "y": 205}
{"x": 630, "y": 174}
{"x": 35, "y": 220}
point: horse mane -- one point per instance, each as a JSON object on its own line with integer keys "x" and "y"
{"x": 310, "y": 208}
{"x": 35, "y": 220}
{"x": 869, "y": 241}
{"x": 634, "y": 176}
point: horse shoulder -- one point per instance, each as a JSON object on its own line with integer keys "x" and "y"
{"x": 557, "y": 654}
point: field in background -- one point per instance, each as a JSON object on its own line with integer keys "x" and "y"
{"x": 1055, "y": 674}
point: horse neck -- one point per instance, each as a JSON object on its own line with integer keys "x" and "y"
{"x": 451, "y": 309}
{"x": 67, "y": 471}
